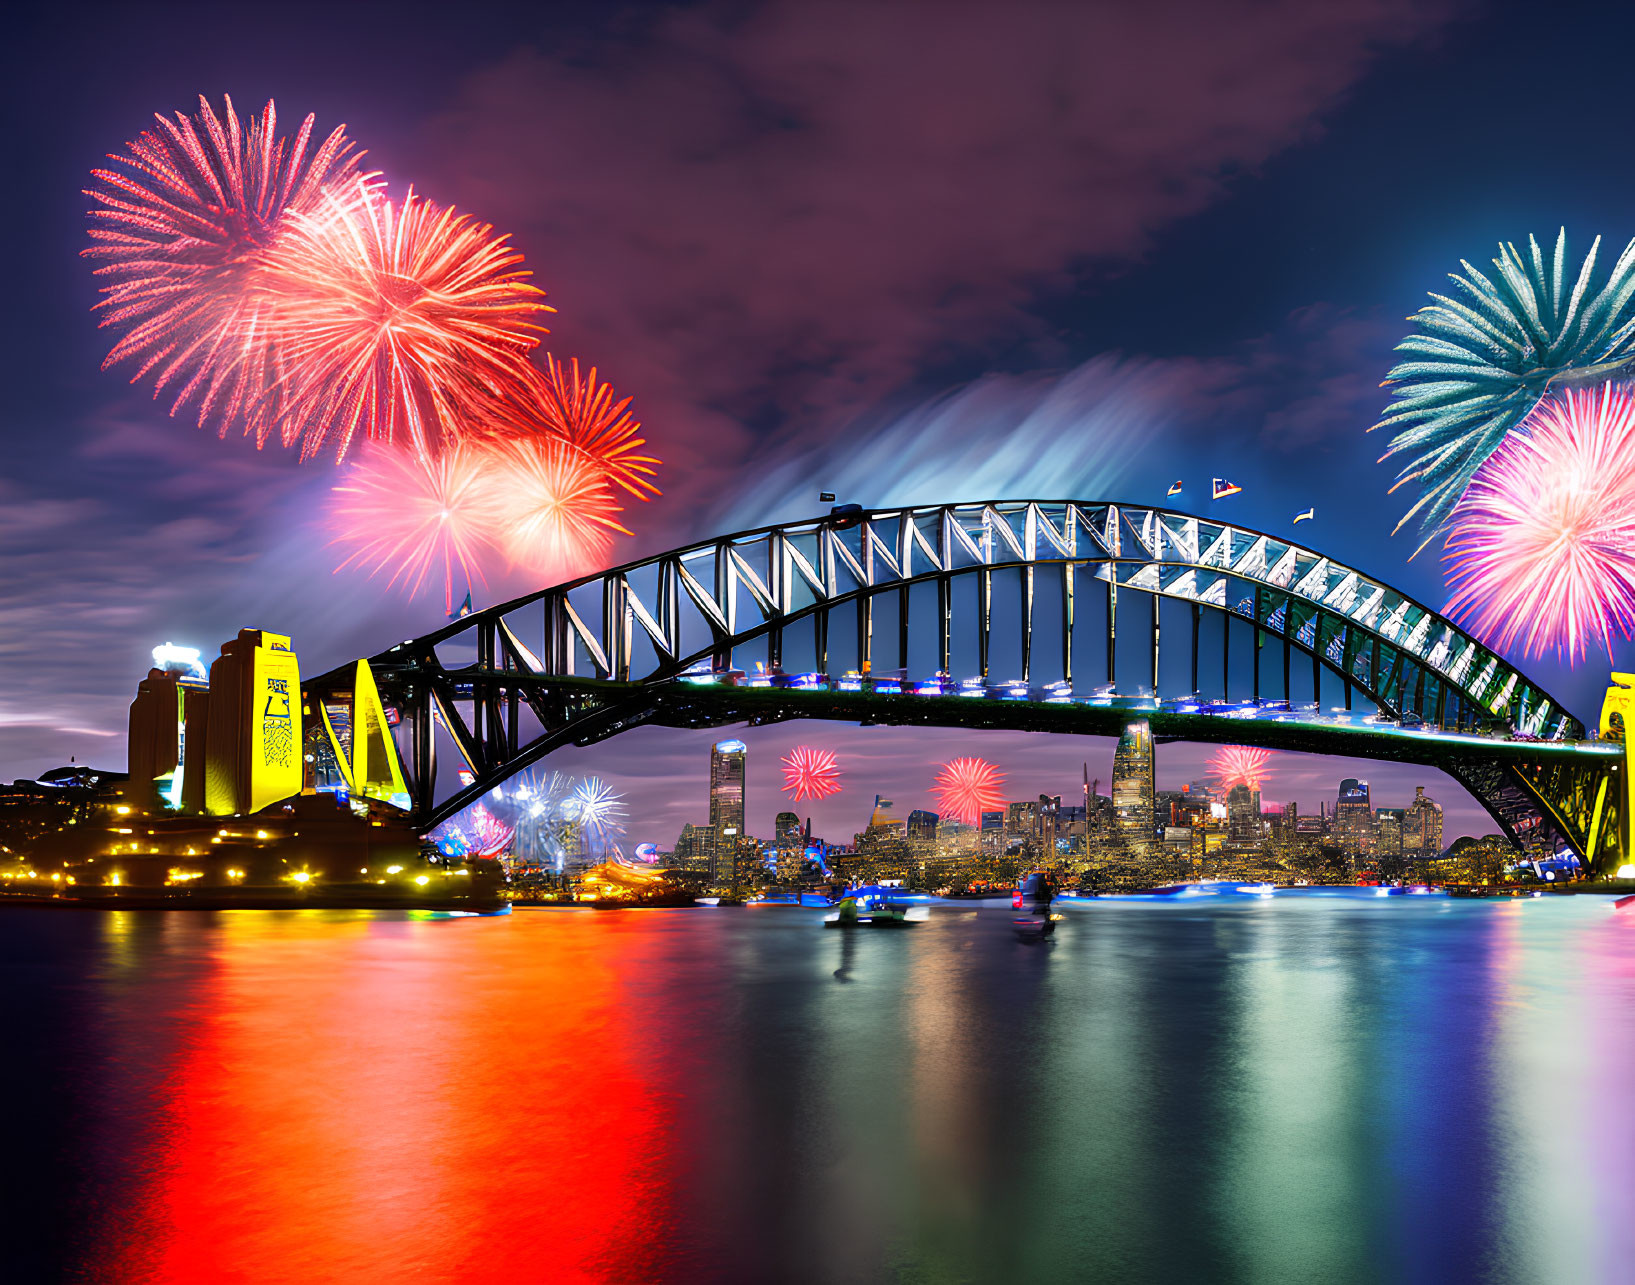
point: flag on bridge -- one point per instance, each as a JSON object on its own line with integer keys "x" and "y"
{"x": 465, "y": 608}
{"x": 1307, "y": 516}
{"x": 1223, "y": 488}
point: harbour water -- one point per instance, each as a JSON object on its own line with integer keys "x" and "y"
{"x": 1290, "y": 1089}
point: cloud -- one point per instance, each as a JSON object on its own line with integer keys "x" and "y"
{"x": 1073, "y": 435}
{"x": 779, "y": 214}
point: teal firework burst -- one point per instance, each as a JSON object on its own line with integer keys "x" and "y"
{"x": 1479, "y": 363}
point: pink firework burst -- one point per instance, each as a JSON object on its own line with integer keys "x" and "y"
{"x": 1542, "y": 545}
{"x": 186, "y": 222}
{"x": 478, "y": 834}
{"x": 407, "y": 515}
{"x": 810, "y": 773}
{"x": 968, "y": 787}
{"x": 555, "y": 512}
{"x": 1239, "y": 765}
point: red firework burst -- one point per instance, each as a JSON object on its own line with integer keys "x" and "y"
{"x": 1542, "y": 546}
{"x": 407, "y": 515}
{"x": 1239, "y": 765}
{"x": 184, "y": 227}
{"x": 968, "y": 787}
{"x": 586, "y": 412}
{"x": 407, "y": 322}
{"x": 810, "y": 773}
{"x": 555, "y": 513}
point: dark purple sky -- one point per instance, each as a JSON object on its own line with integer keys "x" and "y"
{"x": 1146, "y": 241}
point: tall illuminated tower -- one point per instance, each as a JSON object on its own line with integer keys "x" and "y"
{"x": 1354, "y": 817}
{"x": 1133, "y": 801}
{"x": 726, "y": 808}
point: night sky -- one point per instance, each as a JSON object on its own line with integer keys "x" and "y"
{"x": 904, "y": 252}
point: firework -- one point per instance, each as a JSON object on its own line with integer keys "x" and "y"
{"x": 184, "y": 227}
{"x": 585, "y": 411}
{"x": 1479, "y": 364}
{"x": 1239, "y": 765}
{"x": 810, "y": 773}
{"x": 476, "y": 833}
{"x": 408, "y": 515}
{"x": 968, "y": 787}
{"x": 600, "y": 813}
{"x": 406, "y": 322}
{"x": 555, "y": 511}
{"x": 1542, "y": 546}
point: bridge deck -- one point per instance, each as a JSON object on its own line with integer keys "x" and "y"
{"x": 684, "y": 703}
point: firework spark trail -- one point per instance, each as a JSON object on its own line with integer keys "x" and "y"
{"x": 406, "y": 322}
{"x": 968, "y": 787}
{"x": 555, "y": 511}
{"x": 184, "y": 227}
{"x": 1239, "y": 765}
{"x": 586, "y": 411}
{"x": 810, "y": 773}
{"x": 1542, "y": 546}
{"x": 407, "y": 515}
{"x": 1480, "y": 363}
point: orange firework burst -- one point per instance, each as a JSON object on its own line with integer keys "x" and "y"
{"x": 407, "y": 322}
{"x": 586, "y": 412}
{"x": 968, "y": 787}
{"x": 810, "y": 773}
{"x": 554, "y": 510}
{"x": 1239, "y": 765}
{"x": 408, "y": 514}
{"x": 184, "y": 227}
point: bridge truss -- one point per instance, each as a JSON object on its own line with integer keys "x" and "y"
{"x": 1088, "y": 602}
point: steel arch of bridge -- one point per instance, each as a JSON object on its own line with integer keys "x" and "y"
{"x": 611, "y": 646}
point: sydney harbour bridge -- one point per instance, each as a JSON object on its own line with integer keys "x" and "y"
{"x": 1058, "y": 616}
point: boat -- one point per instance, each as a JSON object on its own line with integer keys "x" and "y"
{"x": 872, "y": 911}
{"x": 1034, "y": 927}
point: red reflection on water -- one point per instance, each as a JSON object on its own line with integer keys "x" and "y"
{"x": 388, "y": 1100}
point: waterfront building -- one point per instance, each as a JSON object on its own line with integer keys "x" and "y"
{"x": 1422, "y": 827}
{"x": 695, "y": 848}
{"x": 1133, "y": 795}
{"x": 1354, "y": 818}
{"x": 789, "y": 841}
{"x": 1021, "y": 823}
{"x": 727, "y": 764}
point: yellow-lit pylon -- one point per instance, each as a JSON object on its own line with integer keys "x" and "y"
{"x": 1617, "y": 723}
{"x": 370, "y": 764}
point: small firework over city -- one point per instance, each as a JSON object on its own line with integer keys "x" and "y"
{"x": 760, "y": 641}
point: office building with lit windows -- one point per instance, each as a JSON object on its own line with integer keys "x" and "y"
{"x": 1133, "y": 795}
{"x": 726, "y": 808}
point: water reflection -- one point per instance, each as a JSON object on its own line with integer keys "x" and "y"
{"x": 1279, "y": 1091}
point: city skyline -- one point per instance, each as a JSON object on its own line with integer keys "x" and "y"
{"x": 665, "y": 776}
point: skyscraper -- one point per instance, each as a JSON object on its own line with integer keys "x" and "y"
{"x": 1388, "y": 825}
{"x": 1354, "y": 817}
{"x": 1133, "y": 800}
{"x": 726, "y": 808}
{"x": 1243, "y": 814}
{"x": 1422, "y": 826}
